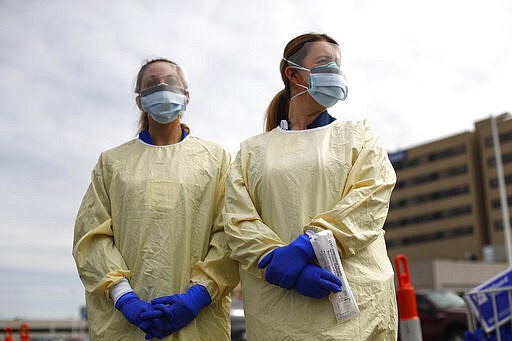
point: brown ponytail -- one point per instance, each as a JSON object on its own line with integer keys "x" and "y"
{"x": 277, "y": 110}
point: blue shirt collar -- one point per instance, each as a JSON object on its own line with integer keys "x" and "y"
{"x": 144, "y": 136}
{"x": 322, "y": 120}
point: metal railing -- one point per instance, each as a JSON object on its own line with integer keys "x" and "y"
{"x": 490, "y": 319}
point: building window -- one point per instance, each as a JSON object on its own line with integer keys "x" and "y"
{"x": 496, "y": 203}
{"x": 423, "y": 218}
{"x": 493, "y": 183}
{"x": 505, "y": 158}
{"x": 498, "y": 225}
{"x": 434, "y": 156}
{"x": 406, "y": 163}
{"x": 435, "y": 176}
{"x": 429, "y": 237}
{"x": 503, "y": 138}
{"x": 443, "y": 154}
{"x": 434, "y": 196}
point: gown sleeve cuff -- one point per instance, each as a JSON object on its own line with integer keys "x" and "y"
{"x": 120, "y": 289}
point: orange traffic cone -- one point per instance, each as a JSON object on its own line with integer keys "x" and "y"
{"x": 24, "y": 332}
{"x": 410, "y": 328}
{"x": 7, "y": 333}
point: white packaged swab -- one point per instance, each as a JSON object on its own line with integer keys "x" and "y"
{"x": 326, "y": 251}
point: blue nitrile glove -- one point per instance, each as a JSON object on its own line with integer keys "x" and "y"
{"x": 316, "y": 282}
{"x": 162, "y": 326}
{"x": 133, "y": 307}
{"x": 287, "y": 262}
{"x": 153, "y": 327}
{"x": 180, "y": 309}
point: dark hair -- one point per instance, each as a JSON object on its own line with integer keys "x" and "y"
{"x": 143, "y": 120}
{"x": 277, "y": 110}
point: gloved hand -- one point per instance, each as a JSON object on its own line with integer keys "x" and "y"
{"x": 316, "y": 282}
{"x": 132, "y": 307}
{"x": 287, "y": 262}
{"x": 176, "y": 311}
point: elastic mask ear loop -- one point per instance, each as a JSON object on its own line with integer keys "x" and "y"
{"x": 297, "y": 66}
{"x": 300, "y": 93}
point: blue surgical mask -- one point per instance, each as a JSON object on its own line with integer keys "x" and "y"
{"x": 327, "y": 84}
{"x": 163, "y": 102}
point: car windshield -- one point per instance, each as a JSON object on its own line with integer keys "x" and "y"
{"x": 446, "y": 299}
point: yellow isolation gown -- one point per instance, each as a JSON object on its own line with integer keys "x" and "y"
{"x": 153, "y": 214}
{"x": 282, "y": 183}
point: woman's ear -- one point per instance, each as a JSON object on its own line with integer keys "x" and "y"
{"x": 187, "y": 94}
{"x": 139, "y": 105}
{"x": 291, "y": 74}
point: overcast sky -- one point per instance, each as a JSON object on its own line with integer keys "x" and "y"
{"x": 417, "y": 71}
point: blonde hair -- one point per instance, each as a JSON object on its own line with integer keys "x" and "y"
{"x": 143, "y": 119}
{"x": 277, "y": 110}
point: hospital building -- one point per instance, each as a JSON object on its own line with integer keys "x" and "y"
{"x": 445, "y": 212}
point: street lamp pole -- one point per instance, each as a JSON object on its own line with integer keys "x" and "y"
{"x": 502, "y": 189}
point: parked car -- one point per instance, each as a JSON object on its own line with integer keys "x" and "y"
{"x": 237, "y": 321}
{"x": 443, "y": 315}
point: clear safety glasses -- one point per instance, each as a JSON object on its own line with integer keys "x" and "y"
{"x": 162, "y": 87}
{"x": 317, "y": 57}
